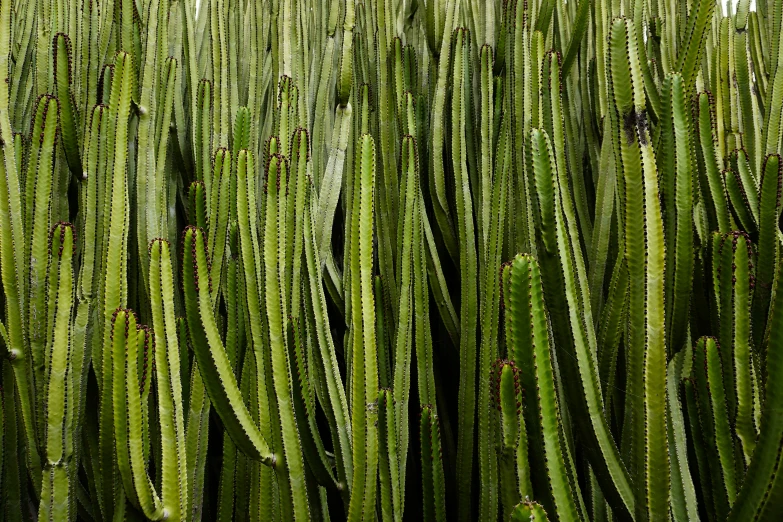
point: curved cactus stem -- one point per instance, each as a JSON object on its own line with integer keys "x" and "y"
{"x": 12, "y": 262}
{"x": 214, "y": 366}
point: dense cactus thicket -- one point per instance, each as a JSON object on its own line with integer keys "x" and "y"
{"x": 290, "y": 260}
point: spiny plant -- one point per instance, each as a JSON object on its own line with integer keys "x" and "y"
{"x": 391, "y": 260}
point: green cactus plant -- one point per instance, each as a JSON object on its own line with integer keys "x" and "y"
{"x": 445, "y": 259}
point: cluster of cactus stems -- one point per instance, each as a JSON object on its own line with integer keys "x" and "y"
{"x": 290, "y": 260}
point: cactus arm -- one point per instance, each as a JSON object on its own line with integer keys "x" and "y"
{"x": 554, "y": 121}
{"x": 713, "y": 189}
{"x": 643, "y": 233}
{"x": 215, "y": 368}
{"x": 438, "y": 131}
{"x": 325, "y": 76}
{"x": 739, "y": 201}
{"x": 427, "y": 387}
{"x": 689, "y": 59}
{"x": 512, "y": 436}
{"x": 489, "y": 312}
{"x": 12, "y": 260}
{"x": 86, "y": 287}
{"x": 770, "y": 189}
{"x": 432, "y": 466}
{"x": 128, "y": 418}
{"x": 468, "y": 264}
{"x": 604, "y": 213}
{"x": 197, "y": 204}
{"x": 438, "y": 284}
{"x": 304, "y": 408}
{"x": 220, "y": 75}
{"x": 529, "y": 342}
{"x": 388, "y": 464}
{"x": 684, "y": 502}
{"x": 715, "y": 420}
{"x": 486, "y": 112}
{"x": 578, "y": 31}
{"x": 115, "y": 271}
{"x": 742, "y": 285}
{"x": 291, "y": 469}
{"x": 227, "y": 486}
{"x": 69, "y": 118}
{"x": 677, "y": 169}
{"x": 196, "y": 440}
{"x": 332, "y": 179}
{"x": 22, "y": 36}
{"x": 773, "y": 120}
{"x": 202, "y": 148}
{"x": 174, "y": 491}
{"x": 40, "y": 195}
{"x": 56, "y": 487}
{"x": 519, "y": 85}
{"x": 168, "y": 82}
{"x": 751, "y": 131}
{"x": 364, "y": 377}
{"x": 747, "y": 179}
{"x": 610, "y": 332}
{"x": 148, "y": 186}
{"x": 336, "y": 405}
{"x": 301, "y": 171}
{"x": 407, "y": 306}
{"x": 760, "y": 494}
{"x": 577, "y": 365}
{"x": 219, "y": 210}
{"x": 253, "y": 276}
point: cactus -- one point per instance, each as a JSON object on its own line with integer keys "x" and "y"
{"x": 445, "y": 259}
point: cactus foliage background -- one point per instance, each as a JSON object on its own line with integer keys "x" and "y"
{"x": 391, "y": 260}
